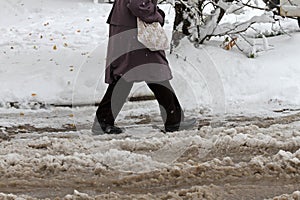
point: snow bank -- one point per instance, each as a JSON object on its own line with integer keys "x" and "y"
{"x": 264, "y": 157}
{"x": 58, "y": 152}
{"x": 54, "y": 55}
{"x": 294, "y": 196}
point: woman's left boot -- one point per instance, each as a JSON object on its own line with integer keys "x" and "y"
{"x": 183, "y": 125}
{"x": 102, "y": 128}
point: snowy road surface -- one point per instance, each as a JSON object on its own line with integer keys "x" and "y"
{"x": 43, "y": 155}
{"x": 53, "y": 52}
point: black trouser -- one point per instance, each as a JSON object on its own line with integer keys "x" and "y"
{"x": 117, "y": 93}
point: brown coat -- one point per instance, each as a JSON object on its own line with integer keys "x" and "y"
{"x": 126, "y": 56}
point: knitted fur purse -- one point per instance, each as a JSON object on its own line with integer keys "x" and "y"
{"x": 152, "y": 35}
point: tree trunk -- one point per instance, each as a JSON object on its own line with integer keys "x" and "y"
{"x": 181, "y": 25}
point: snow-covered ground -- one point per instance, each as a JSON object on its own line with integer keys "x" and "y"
{"x": 44, "y": 156}
{"x": 54, "y": 52}
{"x": 247, "y": 144}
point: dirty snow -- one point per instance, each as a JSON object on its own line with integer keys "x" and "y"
{"x": 246, "y": 144}
{"x": 236, "y": 155}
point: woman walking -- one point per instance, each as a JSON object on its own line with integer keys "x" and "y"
{"x": 129, "y": 61}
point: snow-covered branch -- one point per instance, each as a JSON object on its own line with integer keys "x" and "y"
{"x": 202, "y": 19}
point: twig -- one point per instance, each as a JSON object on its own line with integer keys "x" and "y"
{"x": 237, "y": 45}
{"x": 255, "y": 7}
{"x": 246, "y": 39}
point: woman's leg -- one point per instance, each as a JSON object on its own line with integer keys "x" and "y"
{"x": 113, "y": 101}
{"x": 170, "y": 108}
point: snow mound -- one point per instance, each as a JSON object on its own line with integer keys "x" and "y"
{"x": 294, "y": 196}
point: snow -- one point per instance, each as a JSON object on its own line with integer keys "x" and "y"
{"x": 52, "y": 56}
{"x": 53, "y": 52}
{"x": 49, "y": 73}
{"x": 216, "y": 151}
{"x": 294, "y": 195}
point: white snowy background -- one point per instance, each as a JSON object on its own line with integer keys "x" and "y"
{"x": 54, "y": 52}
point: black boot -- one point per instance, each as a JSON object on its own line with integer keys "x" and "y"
{"x": 183, "y": 125}
{"x": 102, "y": 128}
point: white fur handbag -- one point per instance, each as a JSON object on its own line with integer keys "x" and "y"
{"x": 152, "y": 35}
